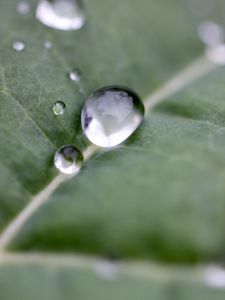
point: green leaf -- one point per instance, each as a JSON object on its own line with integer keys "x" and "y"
{"x": 160, "y": 196}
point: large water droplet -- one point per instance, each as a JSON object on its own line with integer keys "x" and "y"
{"x": 111, "y": 115}
{"x": 68, "y": 160}
{"x": 61, "y": 14}
{"x": 23, "y": 7}
{"x": 18, "y": 46}
{"x": 59, "y": 108}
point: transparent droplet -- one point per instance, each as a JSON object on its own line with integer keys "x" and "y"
{"x": 47, "y": 45}
{"x": 61, "y": 14}
{"x": 75, "y": 75}
{"x": 18, "y": 46}
{"x": 211, "y": 33}
{"x": 216, "y": 55}
{"x": 111, "y": 115}
{"x": 59, "y": 108}
{"x": 23, "y": 7}
{"x": 68, "y": 160}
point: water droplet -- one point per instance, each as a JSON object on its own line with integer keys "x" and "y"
{"x": 111, "y": 115}
{"x": 215, "y": 277}
{"x": 216, "y": 55}
{"x": 61, "y": 14}
{"x": 18, "y": 46}
{"x": 47, "y": 45}
{"x": 68, "y": 160}
{"x": 59, "y": 108}
{"x": 75, "y": 75}
{"x": 211, "y": 34}
{"x": 23, "y": 8}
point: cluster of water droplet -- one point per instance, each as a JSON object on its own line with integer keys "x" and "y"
{"x": 111, "y": 114}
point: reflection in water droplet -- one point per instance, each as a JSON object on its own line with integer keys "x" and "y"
{"x": 61, "y": 14}
{"x": 68, "y": 160}
{"x": 211, "y": 33}
{"x": 59, "y": 108}
{"x": 217, "y": 54}
{"x": 111, "y": 115}
{"x": 47, "y": 45}
{"x": 75, "y": 75}
{"x": 18, "y": 46}
{"x": 23, "y": 8}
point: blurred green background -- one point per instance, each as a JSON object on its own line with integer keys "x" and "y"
{"x": 158, "y": 199}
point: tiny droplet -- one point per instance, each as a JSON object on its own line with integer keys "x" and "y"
{"x": 75, "y": 75}
{"x": 18, "y": 46}
{"x": 111, "y": 115}
{"x": 59, "y": 108}
{"x": 61, "y": 14}
{"x": 47, "y": 45}
{"x": 23, "y": 7}
{"x": 211, "y": 33}
{"x": 68, "y": 160}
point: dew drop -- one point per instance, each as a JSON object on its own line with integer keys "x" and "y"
{"x": 111, "y": 115}
{"x": 47, "y": 45}
{"x": 75, "y": 75}
{"x": 211, "y": 34}
{"x": 23, "y": 8}
{"x": 59, "y": 108}
{"x": 68, "y": 160}
{"x": 18, "y": 46}
{"x": 61, "y": 14}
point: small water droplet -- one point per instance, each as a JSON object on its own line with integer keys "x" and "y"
{"x": 47, "y": 45}
{"x": 216, "y": 55}
{"x": 23, "y": 7}
{"x": 215, "y": 277}
{"x": 211, "y": 34}
{"x": 111, "y": 115}
{"x": 75, "y": 75}
{"x": 61, "y": 14}
{"x": 18, "y": 46}
{"x": 59, "y": 108}
{"x": 68, "y": 160}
